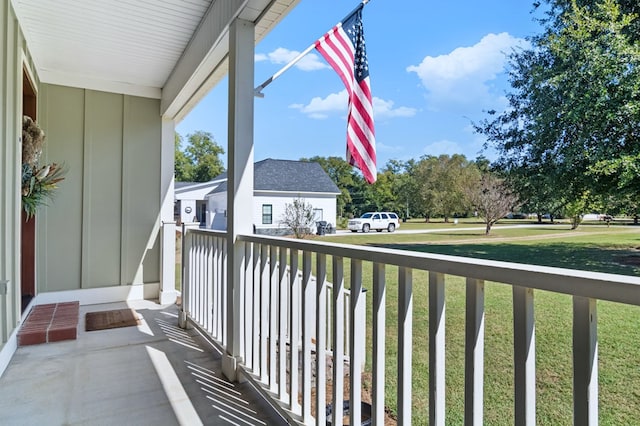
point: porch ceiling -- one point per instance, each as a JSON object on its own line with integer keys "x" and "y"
{"x": 134, "y": 46}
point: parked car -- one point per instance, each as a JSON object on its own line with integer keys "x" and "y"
{"x": 375, "y": 220}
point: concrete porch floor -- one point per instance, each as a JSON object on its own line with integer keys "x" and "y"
{"x": 151, "y": 374}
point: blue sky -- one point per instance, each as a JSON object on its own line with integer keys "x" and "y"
{"x": 434, "y": 66}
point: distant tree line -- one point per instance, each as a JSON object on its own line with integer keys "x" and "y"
{"x": 444, "y": 186}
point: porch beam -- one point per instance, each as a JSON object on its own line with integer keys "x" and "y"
{"x": 205, "y": 52}
{"x": 240, "y": 178}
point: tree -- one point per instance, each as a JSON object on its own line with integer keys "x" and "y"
{"x": 492, "y": 199}
{"x": 401, "y": 177}
{"x": 575, "y": 210}
{"x": 342, "y": 174}
{"x": 574, "y": 111}
{"x": 442, "y": 183}
{"x": 298, "y": 216}
{"x": 200, "y": 161}
{"x": 182, "y": 165}
{"x": 380, "y": 196}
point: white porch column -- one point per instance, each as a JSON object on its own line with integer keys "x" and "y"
{"x": 240, "y": 179}
{"x": 168, "y": 263}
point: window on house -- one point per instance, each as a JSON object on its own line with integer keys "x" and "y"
{"x": 267, "y": 214}
{"x": 317, "y": 214}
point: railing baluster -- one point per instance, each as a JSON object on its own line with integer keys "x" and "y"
{"x": 221, "y": 290}
{"x": 338, "y": 339}
{"x": 211, "y": 284}
{"x": 436, "y": 349}
{"x": 185, "y": 281}
{"x": 347, "y": 321}
{"x": 308, "y": 317}
{"x": 357, "y": 312}
{"x": 585, "y": 361}
{"x": 223, "y": 296}
{"x": 195, "y": 296}
{"x": 329, "y": 329}
{"x": 215, "y": 298}
{"x": 474, "y": 353}
{"x": 274, "y": 285}
{"x": 405, "y": 348}
{"x": 205, "y": 278}
{"x": 379, "y": 337}
{"x": 294, "y": 330}
{"x": 193, "y": 264}
{"x": 524, "y": 351}
{"x": 217, "y": 291}
{"x": 282, "y": 325}
{"x": 257, "y": 298}
{"x": 202, "y": 279}
{"x": 264, "y": 313}
{"x": 321, "y": 338}
{"x": 247, "y": 318}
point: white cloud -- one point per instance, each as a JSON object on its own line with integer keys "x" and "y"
{"x": 321, "y": 108}
{"x": 381, "y": 147}
{"x": 465, "y": 75}
{"x": 443, "y": 147}
{"x": 385, "y": 109}
{"x": 310, "y": 62}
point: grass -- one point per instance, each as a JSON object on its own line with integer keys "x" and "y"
{"x": 598, "y": 248}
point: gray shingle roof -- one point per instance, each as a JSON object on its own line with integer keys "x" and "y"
{"x": 179, "y": 185}
{"x": 288, "y": 176}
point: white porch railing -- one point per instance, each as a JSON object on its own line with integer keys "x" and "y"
{"x": 275, "y": 268}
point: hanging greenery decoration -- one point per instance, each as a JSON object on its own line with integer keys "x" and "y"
{"x": 38, "y": 182}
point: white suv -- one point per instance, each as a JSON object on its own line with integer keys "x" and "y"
{"x": 375, "y": 220}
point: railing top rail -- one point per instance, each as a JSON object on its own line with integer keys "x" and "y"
{"x": 597, "y": 285}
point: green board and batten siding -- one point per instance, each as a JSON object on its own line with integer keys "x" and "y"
{"x": 102, "y": 229}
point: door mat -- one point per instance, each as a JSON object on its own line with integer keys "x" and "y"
{"x": 104, "y": 320}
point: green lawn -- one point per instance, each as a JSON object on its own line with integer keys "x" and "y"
{"x": 598, "y": 248}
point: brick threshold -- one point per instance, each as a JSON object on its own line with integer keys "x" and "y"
{"x": 52, "y": 322}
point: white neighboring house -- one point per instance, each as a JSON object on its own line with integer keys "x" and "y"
{"x": 276, "y": 184}
{"x": 190, "y": 204}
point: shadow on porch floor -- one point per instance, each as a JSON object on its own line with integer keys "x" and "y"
{"x": 155, "y": 373}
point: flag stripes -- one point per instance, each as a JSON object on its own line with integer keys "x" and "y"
{"x": 343, "y": 48}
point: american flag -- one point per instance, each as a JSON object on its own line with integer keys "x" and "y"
{"x": 344, "y": 48}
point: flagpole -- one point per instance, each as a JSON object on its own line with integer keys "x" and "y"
{"x": 257, "y": 92}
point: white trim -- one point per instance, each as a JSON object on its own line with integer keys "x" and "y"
{"x": 7, "y": 351}
{"x": 198, "y": 185}
{"x": 10, "y": 347}
{"x": 92, "y": 296}
{"x": 31, "y": 75}
{"x": 84, "y": 82}
{"x": 300, "y": 193}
